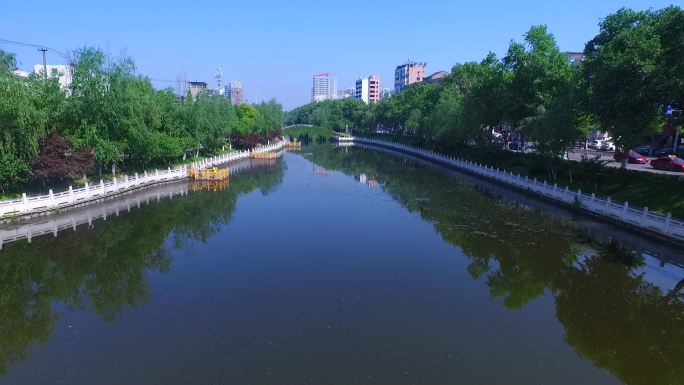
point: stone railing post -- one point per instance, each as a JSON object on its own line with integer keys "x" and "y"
{"x": 24, "y": 201}
{"x": 71, "y": 194}
{"x": 668, "y": 219}
{"x": 52, "y": 198}
{"x": 87, "y": 190}
{"x": 102, "y": 186}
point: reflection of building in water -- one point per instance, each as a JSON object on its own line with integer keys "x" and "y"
{"x": 318, "y": 170}
{"x": 372, "y": 183}
{"x": 264, "y": 162}
{"x": 211, "y": 185}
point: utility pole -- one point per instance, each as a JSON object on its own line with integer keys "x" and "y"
{"x": 43, "y": 50}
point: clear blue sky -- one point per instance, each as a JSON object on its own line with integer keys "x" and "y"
{"x": 275, "y": 47}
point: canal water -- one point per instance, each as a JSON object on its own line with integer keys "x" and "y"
{"x": 341, "y": 266}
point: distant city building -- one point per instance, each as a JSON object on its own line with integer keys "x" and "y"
{"x": 346, "y": 93}
{"x": 368, "y": 89}
{"x": 237, "y": 93}
{"x": 386, "y": 93}
{"x": 436, "y": 77}
{"x": 324, "y": 87}
{"x": 63, "y": 72}
{"x": 197, "y": 87}
{"x": 574, "y": 58}
{"x": 361, "y": 91}
{"x": 407, "y": 74}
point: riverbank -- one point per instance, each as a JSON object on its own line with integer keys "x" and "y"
{"x": 13, "y": 209}
{"x": 643, "y": 219}
{"x": 660, "y": 193}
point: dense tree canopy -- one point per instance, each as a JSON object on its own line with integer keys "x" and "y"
{"x": 114, "y": 114}
{"x": 633, "y": 73}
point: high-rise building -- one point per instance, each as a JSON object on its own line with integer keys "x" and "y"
{"x": 324, "y": 87}
{"x": 237, "y": 93}
{"x": 386, "y": 93}
{"x": 368, "y": 89}
{"x": 408, "y": 73}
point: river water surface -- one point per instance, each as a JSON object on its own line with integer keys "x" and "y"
{"x": 341, "y": 266}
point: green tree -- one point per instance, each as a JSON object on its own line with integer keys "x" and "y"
{"x": 21, "y": 127}
{"x": 8, "y": 61}
{"x": 621, "y": 71}
{"x": 542, "y": 92}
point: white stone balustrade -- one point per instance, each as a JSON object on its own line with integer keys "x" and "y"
{"x": 27, "y": 205}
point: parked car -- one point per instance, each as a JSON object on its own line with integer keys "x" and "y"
{"x": 645, "y": 150}
{"x": 669, "y": 150}
{"x": 668, "y": 163}
{"x": 663, "y": 151}
{"x": 608, "y": 146}
{"x": 596, "y": 144}
{"x": 633, "y": 157}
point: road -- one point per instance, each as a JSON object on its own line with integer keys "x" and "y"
{"x": 577, "y": 155}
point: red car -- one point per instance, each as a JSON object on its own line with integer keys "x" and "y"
{"x": 670, "y": 163}
{"x": 633, "y": 157}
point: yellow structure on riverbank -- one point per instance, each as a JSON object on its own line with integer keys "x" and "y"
{"x": 209, "y": 174}
{"x": 293, "y": 144}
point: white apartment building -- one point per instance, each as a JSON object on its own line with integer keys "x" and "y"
{"x": 368, "y": 89}
{"x": 63, "y": 72}
{"x": 324, "y": 87}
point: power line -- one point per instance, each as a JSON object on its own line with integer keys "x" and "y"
{"x": 66, "y": 56}
{"x": 23, "y": 44}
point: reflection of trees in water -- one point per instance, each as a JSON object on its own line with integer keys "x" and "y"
{"x": 103, "y": 268}
{"x": 612, "y": 316}
{"x": 622, "y": 323}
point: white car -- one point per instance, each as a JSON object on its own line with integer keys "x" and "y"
{"x": 596, "y": 144}
{"x": 608, "y": 146}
